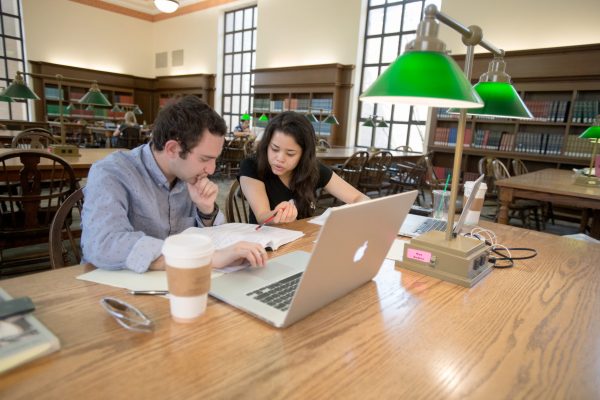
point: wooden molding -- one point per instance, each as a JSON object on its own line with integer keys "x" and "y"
{"x": 152, "y": 17}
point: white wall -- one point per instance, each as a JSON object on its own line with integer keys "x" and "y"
{"x": 63, "y": 32}
{"x": 293, "y": 32}
{"x": 525, "y": 24}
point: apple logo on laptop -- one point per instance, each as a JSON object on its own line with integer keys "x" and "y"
{"x": 360, "y": 252}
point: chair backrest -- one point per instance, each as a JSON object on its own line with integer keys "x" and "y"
{"x": 375, "y": 169}
{"x": 430, "y": 179}
{"x": 231, "y": 156}
{"x": 518, "y": 167}
{"x": 404, "y": 148}
{"x": 33, "y": 185}
{"x": 237, "y": 209}
{"x": 130, "y": 137}
{"x": 351, "y": 169}
{"x": 65, "y": 254}
{"x": 33, "y": 138}
{"x": 323, "y": 143}
{"x": 500, "y": 170}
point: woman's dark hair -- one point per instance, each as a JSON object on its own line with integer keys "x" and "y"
{"x": 306, "y": 174}
{"x": 185, "y": 119}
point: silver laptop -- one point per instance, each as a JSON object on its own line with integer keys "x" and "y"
{"x": 349, "y": 251}
{"x": 415, "y": 225}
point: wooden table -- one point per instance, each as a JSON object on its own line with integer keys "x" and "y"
{"x": 553, "y": 185}
{"x": 81, "y": 165}
{"x": 526, "y": 332}
{"x": 337, "y": 155}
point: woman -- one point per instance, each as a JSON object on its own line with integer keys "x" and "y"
{"x": 130, "y": 121}
{"x": 281, "y": 179}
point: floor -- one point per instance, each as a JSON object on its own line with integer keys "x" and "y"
{"x": 560, "y": 227}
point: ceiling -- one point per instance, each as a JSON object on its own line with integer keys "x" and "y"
{"x": 144, "y": 9}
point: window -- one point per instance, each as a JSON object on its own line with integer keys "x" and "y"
{"x": 12, "y": 56}
{"x": 391, "y": 25}
{"x": 239, "y": 60}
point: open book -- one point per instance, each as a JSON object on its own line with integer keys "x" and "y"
{"x": 23, "y": 338}
{"x": 228, "y": 234}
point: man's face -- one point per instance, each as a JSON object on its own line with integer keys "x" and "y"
{"x": 200, "y": 161}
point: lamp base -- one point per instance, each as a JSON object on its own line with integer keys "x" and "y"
{"x": 64, "y": 150}
{"x": 322, "y": 149}
{"x": 462, "y": 260}
{"x": 585, "y": 180}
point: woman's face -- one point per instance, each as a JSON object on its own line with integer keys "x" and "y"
{"x": 283, "y": 154}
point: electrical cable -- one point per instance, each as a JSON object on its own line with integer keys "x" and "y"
{"x": 506, "y": 258}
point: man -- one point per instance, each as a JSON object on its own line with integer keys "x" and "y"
{"x": 136, "y": 199}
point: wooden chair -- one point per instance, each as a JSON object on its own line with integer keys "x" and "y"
{"x": 404, "y": 148}
{"x": 231, "y": 157}
{"x": 525, "y": 209}
{"x": 237, "y": 209}
{"x": 518, "y": 167}
{"x": 64, "y": 247}
{"x": 33, "y": 138}
{"x": 373, "y": 175}
{"x": 349, "y": 171}
{"x": 407, "y": 176}
{"x": 323, "y": 143}
{"x": 30, "y": 202}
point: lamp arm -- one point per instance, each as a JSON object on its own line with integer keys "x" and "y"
{"x": 472, "y": 35}
{"x": 58, "y": 77}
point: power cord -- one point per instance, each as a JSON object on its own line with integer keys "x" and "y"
{"x": 505, "y": 258}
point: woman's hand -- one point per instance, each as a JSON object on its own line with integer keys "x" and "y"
{"x": 254, "y": 253}
{"x": 285, "y": 211}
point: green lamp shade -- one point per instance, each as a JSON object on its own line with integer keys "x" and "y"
{"x": 331, "y": 119}
{"x": 5, "y": 98}
{"x": 116, "y": 108}
{"x": 89, "y": 108}
{"x": 311, "y": 117}
{"x": 137, "y": 110}
{"x": 500, "y": 100}
{"x": 593, "y": 132}
{"x": 70, "y": 108}
{"x": 94, "y": 97}
{"x": 19, "y": 90}
{"x": 423, "y": 78}
{"x": 263, "y": 118}
{"x": 245, "y": 117}
{"x": 369, "y": 123}
{"x": 382, "y": 124}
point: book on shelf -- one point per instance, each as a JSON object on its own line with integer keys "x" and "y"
{"x": 549, "y": 110}
{"x": 23, "y": 338}
{"x": 228, "y": 234}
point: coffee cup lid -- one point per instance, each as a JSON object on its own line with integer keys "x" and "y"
{"x": 188, "y": 245}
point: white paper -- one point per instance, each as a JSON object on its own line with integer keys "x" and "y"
{"x": 320, "y": 220}
{"x": 228, "y": 234}
{"x": 397, "y": 250}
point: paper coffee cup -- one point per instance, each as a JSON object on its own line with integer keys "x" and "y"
{"x": 188, "y": 263}
{"x": 474, "y": 211}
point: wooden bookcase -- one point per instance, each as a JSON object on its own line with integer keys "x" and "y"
{"x": 321, "y": 88}
{"x": 125, "y": 90}
{"x": 561, "y": 87}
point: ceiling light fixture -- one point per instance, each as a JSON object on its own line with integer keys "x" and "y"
{"x": 167, "y": 6}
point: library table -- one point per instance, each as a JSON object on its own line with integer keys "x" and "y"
{"x": 526, "y": 332}
{"x": 556, "y": 186}
{"x": 337, "y": 155}
{"x": 81, "y": 165}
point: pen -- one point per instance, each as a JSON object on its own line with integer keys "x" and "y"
{"x": 150, "y": 292}
{"x": 266, "y": 221}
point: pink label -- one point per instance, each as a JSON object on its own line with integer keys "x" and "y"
{"x": 419, "y": 255}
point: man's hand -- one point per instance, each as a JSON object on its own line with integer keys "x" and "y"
{"x": 254, "y": 253}
{"x": 204, "y": 193}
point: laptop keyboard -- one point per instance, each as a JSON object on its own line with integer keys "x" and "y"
{"x": 278, "y": 294}
{"x": 431, "y": 225}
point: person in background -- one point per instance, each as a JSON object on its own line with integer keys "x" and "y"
{"x": 130, "y": 121}
{"x": 136, "y": 199}
{"x": 243, "y": 130}
{"x": 282, "y": 178}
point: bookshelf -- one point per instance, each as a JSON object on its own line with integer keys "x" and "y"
{"x": 560, "y": 86}
{"x": 321, "y": 88}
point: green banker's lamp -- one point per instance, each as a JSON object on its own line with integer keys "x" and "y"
{"x": 18, "y": 89}
{"x": 425, "y": 75}
{"x": 593, "y": 134}
{"x": 374, "y": 122}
